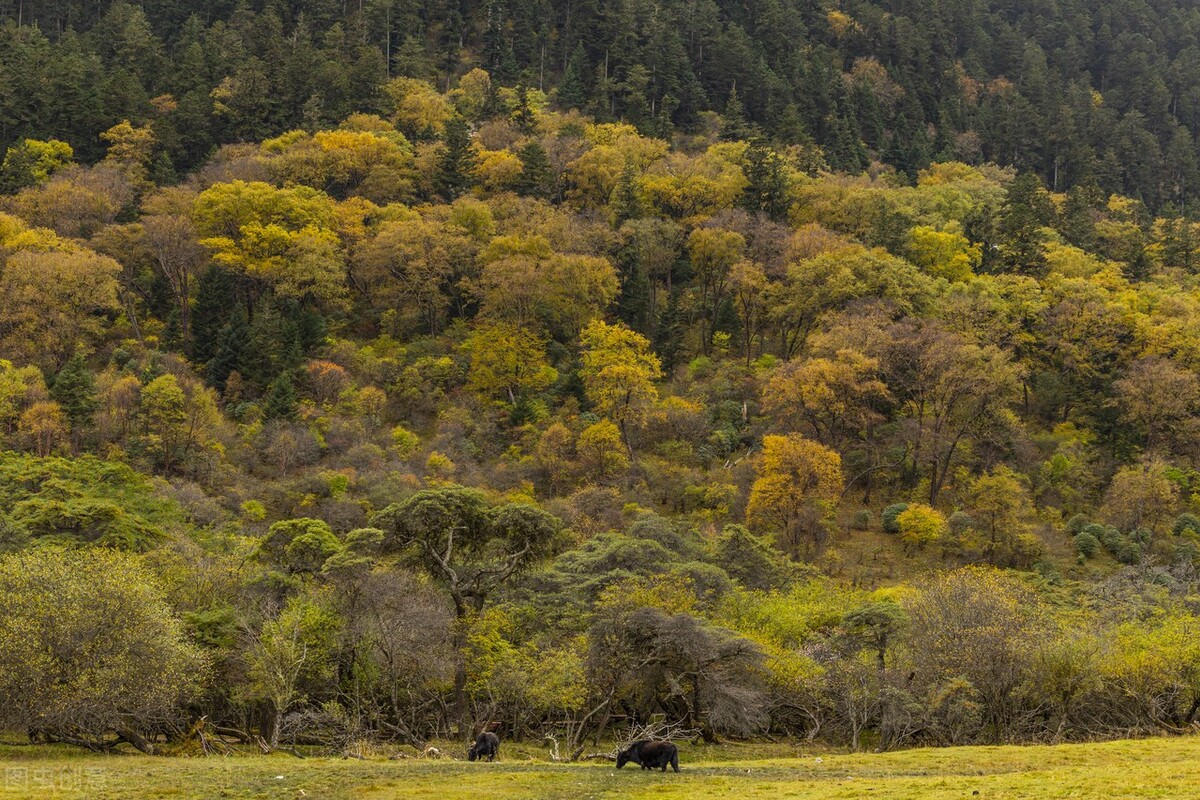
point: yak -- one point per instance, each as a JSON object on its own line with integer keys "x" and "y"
{"x": 650, "y": 755}
{"x": 487, "y": 745}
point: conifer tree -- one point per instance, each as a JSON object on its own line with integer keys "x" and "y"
{"x": 229, "y": 353}
{"x": 537, "y": 178}
{"x": 279, "y": 402}
{"x": 456, "y": 165}
{"x": 572, "y": 92}
{"x": 215, "y": 302}
{"x": 75, "y": 391}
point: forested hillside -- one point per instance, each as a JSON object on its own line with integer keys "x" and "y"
{"x": 338, "y": 407}
{"x": 1080, "y": 93}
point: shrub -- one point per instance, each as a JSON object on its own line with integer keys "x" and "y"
{"x": 891, "y": 516}
{"x": 862, "y": 520}
{"x": 1076, "y": 524}
{"x": 89, "y": 648}
{"x": 1086, "y": 544}
{"x": 960, "y": 522}
{"x": 1129, "y": 553}
{"x": 404, "y": 441}
{"x": 1186, "y": 523}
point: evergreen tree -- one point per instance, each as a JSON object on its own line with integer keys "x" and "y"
{"x": 537, "y": 177}
{"x": 572, "y": 90}
{"x": 75, "y": 390}
{"x": 626, "y": 204}
{"x": 456, "y": 164}
{"x": 522, "y": 115}
{"x": 280, "y": 402}
{"x": 668, "y": 338}
{"x": 1077, "y": 220}
{"x": 1026, "y": 211}
{"x": 215, "y": 302}
{"x": 767, "y": 187}
{"x": 230, "y": 351}
{"x": 734, "y": 125}
{"x": 1179, "y": 245}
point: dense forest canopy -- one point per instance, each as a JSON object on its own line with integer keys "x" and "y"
{"x": 736, "y": 373}
{"x": 1079, "y": 93}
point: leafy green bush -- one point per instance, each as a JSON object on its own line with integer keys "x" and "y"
{"x": 1129, "y": 553}
{"x": 891, "y": 516}
{"x": 1076, "y": 524}
{"x": 960, "y": 522}
{"x": 862, "y": 520}
{"x": 1086, "y": 544}
{"x": 1186, "y": 523}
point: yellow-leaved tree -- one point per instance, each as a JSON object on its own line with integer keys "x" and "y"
{"x": 797, "y": 484}
{"x": 920, "y": 524}
{"x": 509, "y": 360}
{"x": 618, "y": 371}
{"x": 285, "y": 238}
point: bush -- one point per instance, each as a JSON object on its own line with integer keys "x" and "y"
{"x": 1111, "y": 538}
{"x": 1076, "y": 524}
{"x": 960, "y": 522}
{"x": 862, "y": 520}
{"x": 1186, "y": 523}
{"x": 891, "y": 516}
{"x": 1129, "y": 553}
{"x": 1086, "y": 544}
{"x": 89, "y": 648}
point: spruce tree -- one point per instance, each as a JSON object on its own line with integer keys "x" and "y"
{"x": 522, "y": 115}
{"x": 456, "y": 165}
{"x": 1027, "y": 210}
{"x": 75, "y": 390}
{"x": 572, "y": 90}
{"x": 230, "y": 350}
{"x": 215, "y": 301}
{"x": 735, "y": 127}
{"x": 767, "y": 186}
{"x": 280, "y": 399}
{"x": 626, "y": 204}
{"x": 537, "y": 178}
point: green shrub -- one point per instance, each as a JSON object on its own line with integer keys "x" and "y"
{"x": 1186, "y": 523}
{"x": 862, "y": 520}
{"x": 960, "y": 523}
{"x": 1086, "y": 544}
{"x": 1076, "y": 524}
{"x": 1129, "y": 553}
{"x": 891, "y": 516}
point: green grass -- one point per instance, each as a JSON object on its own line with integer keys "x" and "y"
{"x": 1145, "y": 769}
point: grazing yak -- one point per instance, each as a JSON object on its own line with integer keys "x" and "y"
{"x": 650, "y": 755}
{"x": 487, "y": 745}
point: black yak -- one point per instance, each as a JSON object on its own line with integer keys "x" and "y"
{"x": 650, "y": 755}
{"x": 487, "y": 745}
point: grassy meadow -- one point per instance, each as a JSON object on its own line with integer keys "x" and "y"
{"x": 1143, "y": 769}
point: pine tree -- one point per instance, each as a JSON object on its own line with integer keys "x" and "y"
{"x": 537, "y": 177}
{"x": 215, "y": 301}
{"x": 456, "y": 165}
{"x": 75, "y": 390}
{"x": 626, "y": 204}
{"x": 280, "y": 399}
{"x": 572, "y": 91}
{"x": 230, "y": 353}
